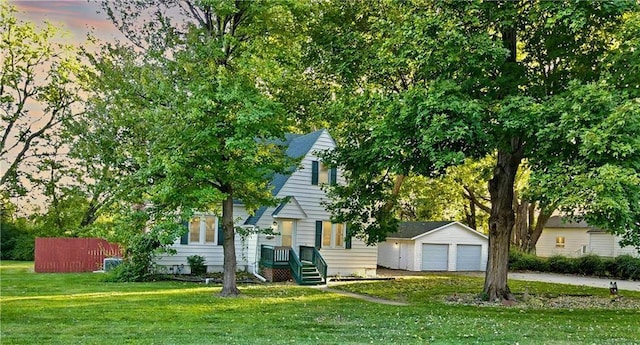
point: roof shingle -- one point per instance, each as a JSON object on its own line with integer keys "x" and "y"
{"x": 413, "y": 229}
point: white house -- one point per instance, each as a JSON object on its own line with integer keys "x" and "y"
{"x": 305, "y": 232}
{"x": 434, "y": 246}
{"x": 573, "y": 239}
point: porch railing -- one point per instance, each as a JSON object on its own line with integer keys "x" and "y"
{"x": 271, "y": 256}
{"x": 312, "y": 255}
{"x": 296, "y": 267}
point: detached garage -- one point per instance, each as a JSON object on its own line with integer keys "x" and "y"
{"x": 434, "y": 246}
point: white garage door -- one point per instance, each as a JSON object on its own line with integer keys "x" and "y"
{"x": 435, "y": 257}
{"x": 468, "y": 257}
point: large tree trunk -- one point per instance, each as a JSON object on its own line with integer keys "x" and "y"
{"x": 501, "y": 222}
{"x": 229, "y": 287}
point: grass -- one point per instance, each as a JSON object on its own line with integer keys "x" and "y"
{"x": 83, "y": 309}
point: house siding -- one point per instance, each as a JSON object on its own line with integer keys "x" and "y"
{"x": 212, "y": 253}
{"x": 597, "y": 243}
{"x": 601, "y": 244}
{"x": 575, "y": 239}
{"x": 628, "y": 250}
{"x": 580, "y": 239}
{"x": 396, "y": 256}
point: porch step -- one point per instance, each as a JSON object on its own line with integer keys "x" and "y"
{"x": 310, "y": 275}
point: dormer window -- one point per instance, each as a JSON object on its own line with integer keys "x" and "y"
{"x": 321, "y": 174}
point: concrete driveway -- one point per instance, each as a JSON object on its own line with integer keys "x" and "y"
{"x": 628, "y": 285}
{"x": 533, "y": 276}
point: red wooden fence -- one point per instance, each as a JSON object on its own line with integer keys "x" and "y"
{"x": 72, "y": 254}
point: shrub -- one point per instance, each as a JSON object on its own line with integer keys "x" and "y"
{"x": 145, "y": 234}
{"x": 16, "y": 242}
{"x": 625, "y": 267}
{"x": 590, "y": 265}
{"x": 197, "y": 265}
{"x": 24, "y": 248}
{"x": 561, "y": 264}
{"x": 138, "y": 261}
{"x": 609, "y": 267}
{"x": 522, "y": 261}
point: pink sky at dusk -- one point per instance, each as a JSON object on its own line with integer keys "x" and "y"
{"x": 75, "y": 17}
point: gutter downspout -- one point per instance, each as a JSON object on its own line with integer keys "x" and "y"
{"x": 255, "y": 262}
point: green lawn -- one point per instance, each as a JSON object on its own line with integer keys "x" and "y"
{"x": 82, "y": 309}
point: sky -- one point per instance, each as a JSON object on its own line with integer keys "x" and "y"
{"x": 76, "y": 17}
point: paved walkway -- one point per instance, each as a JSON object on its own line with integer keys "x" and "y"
{"x": 363, "y": 297}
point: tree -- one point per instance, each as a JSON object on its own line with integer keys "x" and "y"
{"x": 194, "y": 118}
{"x": 460, "y": 194}
{"x": 37, "y": 92}
{"x": 595, "y": 172}
{"x": 426, "y": 82}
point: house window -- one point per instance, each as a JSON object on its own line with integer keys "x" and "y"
{"x": 202, "y": 230}
{"x": 194, "y": 230}
{"x": 560, "y": 242}
{"x": 332, "y": 235}
{"x": 210, "y": 229}
{"x": 321, "y": 174}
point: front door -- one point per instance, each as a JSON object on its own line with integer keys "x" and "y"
{"x": 403, "y": 262}
{"x": 287, "y": 232}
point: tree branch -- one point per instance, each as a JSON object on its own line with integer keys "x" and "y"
{"x": 469, "y": 194}
{"x": 394, "y": 192}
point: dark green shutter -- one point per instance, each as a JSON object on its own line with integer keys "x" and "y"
{"x": 185, "y": 237}
{"x": 333, "y": 177}
{"x": 314, "y": 173}
{"x": 347, "y": 240}
{"x": 220, "y": 232}
{"x": 318, "y": 234}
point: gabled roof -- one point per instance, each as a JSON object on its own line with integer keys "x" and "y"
{"x": 413, "y": 230}
{"x": 289, "y": 208}
{"x": 298, "y": 145}
{"x": 559, "y": 222}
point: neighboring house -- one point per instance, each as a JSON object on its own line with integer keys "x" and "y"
{"x": 305, "y": 233}
{"x": 573, "y": 239}
{"x": 434, "y": 246}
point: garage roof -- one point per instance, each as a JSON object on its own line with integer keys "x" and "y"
{"x": 413, "y": 229}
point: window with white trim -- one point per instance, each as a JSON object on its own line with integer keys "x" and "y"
{"x": 321, "y": 174}
{"x": 332, "y": 235}
{"x": 203, "y": 230}
{"x": 560, "y": 242}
